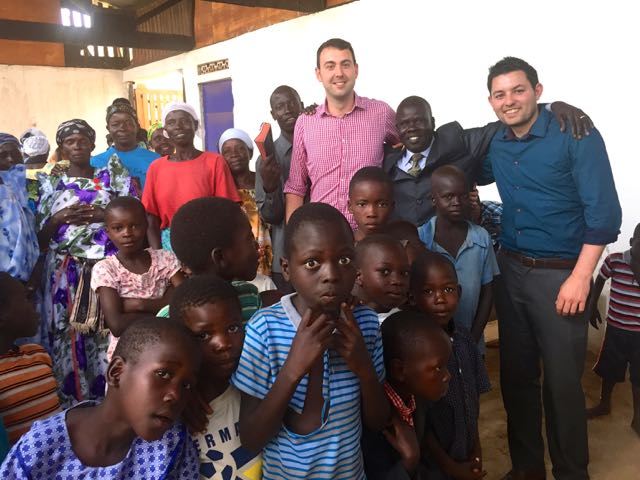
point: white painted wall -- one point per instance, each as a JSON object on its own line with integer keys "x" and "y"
{"x": 584, "y": 51}
{"x": 44, "y": 97}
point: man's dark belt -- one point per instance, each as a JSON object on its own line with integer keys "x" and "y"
{"x": 555, "y": 263}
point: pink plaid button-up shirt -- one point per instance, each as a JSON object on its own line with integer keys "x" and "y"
{"x": 328, "y": 150}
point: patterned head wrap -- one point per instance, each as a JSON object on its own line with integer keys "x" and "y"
{"x": 35, "y": 145}
{"x": 8, "y": 138}
{"x": 152, "y": 129}
{"x": 31, "y": 132}
{"x": 121, "y": 107}
{"x": 71, "y": 127}
{"x": 235, "y": 133}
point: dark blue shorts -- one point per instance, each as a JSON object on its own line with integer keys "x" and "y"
{"x": 619, "y": 349}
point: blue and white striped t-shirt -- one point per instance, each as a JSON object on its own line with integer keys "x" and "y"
{"x": 333, "y": 450}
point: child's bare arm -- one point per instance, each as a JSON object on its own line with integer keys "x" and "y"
{"x": 349, "y": 343}
{"x": 261, "y": 419}
{"x": 115, "y": 316}
{"x": 153, "y": 232}
{"x": 482, "y": 313}
{"x": 177, "y": 279}
{"x": 147, "y": 305}
{"x": 476, "y": 455}
{"x": 594, "y": 296}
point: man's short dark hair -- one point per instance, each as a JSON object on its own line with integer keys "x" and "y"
{"x": 200, "y": 226}
{"x": 415, "y": 101}
{"x": 314, "y": 212}
{"x": 145, "y": 333}
{"x": 337, "y": 43}
{"x": 198, "y": 291}
{"x": 512, "y": 64}
{"x": 403, "y": 331}
{"x": 370, "y": 174}
{"x": 284, "y": 89}
{"x": 425, "y": 260}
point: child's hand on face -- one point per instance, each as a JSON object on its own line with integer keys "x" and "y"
{"x": 402, "y": 438}
{"x": 311, "y": 340}
{"x": 349, "y": 344}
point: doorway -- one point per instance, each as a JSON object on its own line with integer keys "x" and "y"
{"x": 217, "y": 105}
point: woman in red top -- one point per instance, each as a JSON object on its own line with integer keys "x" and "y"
{"x": 186, "y": 174}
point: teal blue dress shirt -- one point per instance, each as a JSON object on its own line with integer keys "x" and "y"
{"x": 558, "y": 193}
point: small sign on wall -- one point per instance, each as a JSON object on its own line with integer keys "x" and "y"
{"x": 215, "y": 66}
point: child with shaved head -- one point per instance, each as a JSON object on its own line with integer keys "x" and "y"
{"x": 466, "y": 245}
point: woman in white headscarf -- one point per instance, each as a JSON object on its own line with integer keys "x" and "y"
{"x": 236, "y": 147}
{"x": 184, "y": 175}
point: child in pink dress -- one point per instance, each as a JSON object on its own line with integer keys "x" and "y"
{"x": 136, "y": 282}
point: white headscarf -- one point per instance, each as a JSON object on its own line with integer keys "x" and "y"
{"x": 35, "y": 145}
{"x": 235, "y": 133}
{"x": 31, "y": 132}
{"x": 176, "y": 105}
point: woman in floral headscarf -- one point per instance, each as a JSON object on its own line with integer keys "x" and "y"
{"x": 70, "y": 215}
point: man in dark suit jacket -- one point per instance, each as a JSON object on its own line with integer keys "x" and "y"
{"x": 425, "y": 149}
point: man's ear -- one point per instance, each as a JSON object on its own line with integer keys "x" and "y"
{"x": 349, "y": 206}
{"x": 538, "y": 91}
{"x": 284, "y": 264}
{"x": 114, "y": 371}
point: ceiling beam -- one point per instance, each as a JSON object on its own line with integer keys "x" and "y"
{"x": 124, "y": 36}
{"x": 307, "y": 6}
{"x": 156, "y": 11}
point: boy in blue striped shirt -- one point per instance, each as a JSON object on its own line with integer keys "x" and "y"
{"x": 311, "y": 367}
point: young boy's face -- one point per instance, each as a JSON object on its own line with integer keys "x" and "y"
{"x": 127, "y": 229}
{"x": 155, "y": 388}
{"x": 425, "y": 372}
{"x": 320, "y": 266}
{"x": 439, "y": 293}
{"x": 218, "y": 327}
{"x": 241, "y": 258}
{"x": 19, "y": 319}
{"x": 384, "y": 276}
{"x": 450, "y": 197}
{"x": 371, "y": 204}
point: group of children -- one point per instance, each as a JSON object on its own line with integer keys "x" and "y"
{"x": 373, "y": 368}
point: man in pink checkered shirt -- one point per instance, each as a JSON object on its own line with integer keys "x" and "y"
{"x": 344, "y": 134}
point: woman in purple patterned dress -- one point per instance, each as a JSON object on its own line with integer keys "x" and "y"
{"x": 70, "y": 215}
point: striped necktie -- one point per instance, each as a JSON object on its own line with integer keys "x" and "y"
{"x": 414, "y": 169}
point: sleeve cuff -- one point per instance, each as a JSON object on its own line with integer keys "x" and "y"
{"x": 600, "y": 237}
